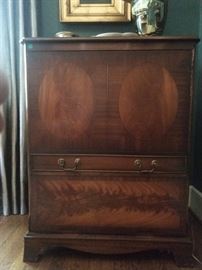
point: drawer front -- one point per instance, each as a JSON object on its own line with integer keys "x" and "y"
{"x": 133, "y": 164}
{"x": 108, "y": 204}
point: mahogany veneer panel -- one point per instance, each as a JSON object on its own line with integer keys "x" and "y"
{"x": 111, "y": 102}
{"x": 79, "y": 203}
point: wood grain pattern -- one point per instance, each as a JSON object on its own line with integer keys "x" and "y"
{"x": 79, "y": 203}
{"x": 148, "y": 103}
{"x": 101, "y": 129}
{"x": 66, "y": 101}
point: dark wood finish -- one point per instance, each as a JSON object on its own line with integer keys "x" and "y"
{"x": 107, "y": 163}
{"x": 183, "y": 256}
{"x": 149, "y": 109}
{"x": 111, "y": 44}
{"x": 103, "y": 125}
{"x": 130, "y": 206}
{"x": 109, "y": 139}
{"x": 13, "y": 228}
{"x": 107, "y": 245}
{"x": 76, "y": 109}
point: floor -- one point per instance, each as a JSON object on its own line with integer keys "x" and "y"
{"x": 13, "y": 228}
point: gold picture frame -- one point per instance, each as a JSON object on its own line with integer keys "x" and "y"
{"x": 79, "y": 11}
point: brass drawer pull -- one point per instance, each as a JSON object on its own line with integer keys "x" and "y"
{"x": 61, "y": 163}
{"x": 138, "y": 165}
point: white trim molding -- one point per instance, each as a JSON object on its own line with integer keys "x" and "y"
{"x": 195, "y": 201}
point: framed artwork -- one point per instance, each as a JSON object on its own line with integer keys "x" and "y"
{"x": 94, "y": 11}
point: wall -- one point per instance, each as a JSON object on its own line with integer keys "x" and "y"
{"x": 49, "y": 22}
{"x": 184, "y": 18}
{"x": 198, "y": 115}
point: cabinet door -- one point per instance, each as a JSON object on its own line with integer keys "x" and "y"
{"x": 109, "y": 102}
{"x": 108, "y": 204}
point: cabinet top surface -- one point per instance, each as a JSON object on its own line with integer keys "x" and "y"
{"x": 111, "y": 39}
{"x": 110, "y": 43}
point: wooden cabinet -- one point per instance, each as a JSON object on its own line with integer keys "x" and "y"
{"x": 109, "y": 127}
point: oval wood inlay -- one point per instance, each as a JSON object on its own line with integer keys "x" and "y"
{"x": 148, "y": 102}
{"x": 66, "y": 101}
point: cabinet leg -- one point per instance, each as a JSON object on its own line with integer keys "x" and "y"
{"x": 32, "y": 250}
{"x": 183, "y": 257}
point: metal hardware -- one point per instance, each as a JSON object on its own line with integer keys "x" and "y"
{"x": 138, "y": 164}
{"x": 61, "y": 163}
{"x": 154, "y": 163}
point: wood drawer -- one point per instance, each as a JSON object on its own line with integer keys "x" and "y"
{"x": 132, "y": 163}
{"x": 108, "y": 204}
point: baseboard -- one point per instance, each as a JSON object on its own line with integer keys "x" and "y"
{"x": 195, "y": 202}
